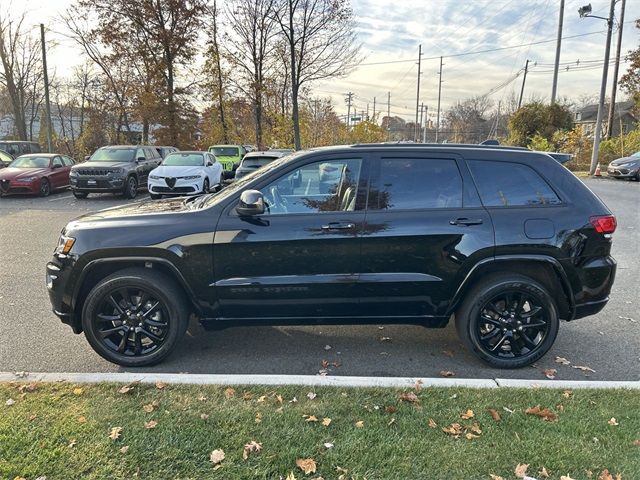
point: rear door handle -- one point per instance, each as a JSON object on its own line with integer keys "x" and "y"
{"x": 466, "y": 221}
{"x": 338, "y": 226}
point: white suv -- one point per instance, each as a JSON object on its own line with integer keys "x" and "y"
{"x": 185, "y": 173}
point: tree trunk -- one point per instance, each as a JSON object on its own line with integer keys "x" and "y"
{"x": 173, "y": 133}
{"x": 294, "y": 83}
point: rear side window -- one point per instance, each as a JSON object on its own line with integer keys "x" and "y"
{"x": 416, "y": 183}
{"x": 504, "y": 184}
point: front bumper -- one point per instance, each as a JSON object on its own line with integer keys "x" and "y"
{"x": 11, "y": 187}
{"x": 622, "y": 172}
{"x": 57, "y": 277}
{"x": 181, "y": 187}
{"x": 96, "y": 184}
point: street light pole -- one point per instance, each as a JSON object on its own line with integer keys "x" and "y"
{"x": 47, "y": 104}
{"x": 586, "y": 12}
{"x": 554, "y": 88}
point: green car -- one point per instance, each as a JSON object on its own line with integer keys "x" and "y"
{"x": 229, "y": 157}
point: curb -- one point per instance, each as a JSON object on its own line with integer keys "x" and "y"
{"x": 309, "y": 380}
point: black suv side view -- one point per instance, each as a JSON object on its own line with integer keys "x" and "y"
{"x": 506, "y": 242}
{"x": 121, "y": 169}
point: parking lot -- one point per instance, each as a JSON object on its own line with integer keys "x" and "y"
{"x": 33, "y": 339}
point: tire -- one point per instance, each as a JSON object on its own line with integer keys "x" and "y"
{"x": 155, "y": 196}
{"x": 80, "y": 195}
{"x": 130, "y": 188}
{"x": 45, "y": 187}
{"x": 205, "y": 186}
{"x": 158, "y": 334}
{"x": 494, "y": 334}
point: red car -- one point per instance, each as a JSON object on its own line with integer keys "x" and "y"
{"x": 37, "y": 174}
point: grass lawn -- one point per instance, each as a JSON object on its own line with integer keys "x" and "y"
{"x": 62, "y": 431}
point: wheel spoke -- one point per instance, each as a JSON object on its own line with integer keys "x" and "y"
{"x": 123, "y": 342}
{"x": 154, "y": 323}
{"x": 490, "y": 335}
{"x": 531, "y": 313}
{"x": 124, "y": 293}
{"x": 499, "y": 344}
{"x": 492, "y": 306}
{"x": 521, "y": 302}
{"x": 528, "y": 342}
{"x": 150, "y": 335}
{"x": 115, "y": 304}
{"x": 152, "y": 309}
{"x": 144, "y": 297}
{"x": 491, "y": 320}
{"x": 137, "y": 338}
{"x": 111, "y": 331}
{"x": 102, "y": 317}
{"x": 534, "y": 325}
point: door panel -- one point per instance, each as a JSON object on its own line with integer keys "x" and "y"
{"x": 418, "y": 240}
{"x": 286, "y": 264}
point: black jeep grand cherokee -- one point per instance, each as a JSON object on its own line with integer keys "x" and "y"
{"x": 507, "y": 242}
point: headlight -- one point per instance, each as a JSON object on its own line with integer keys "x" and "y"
{"x": 26, "y": 179}
{"x": 73, "y": 173}
{"x": 155, "y": 177}
{"x": 65, "y": 244}
{"x": 117, "y": 171}
{"x": 192, "y": 177}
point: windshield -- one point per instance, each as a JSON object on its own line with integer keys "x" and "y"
{"x": 113, "y": 155}
{"x": 224, "y": 151}
{"x": 257, "y": 162}
{"x": 30, "y": 162}
{"x": 184, "y": 160}
{"x": 637, "y": 154}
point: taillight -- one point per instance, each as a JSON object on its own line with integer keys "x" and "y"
{"x": 604, "y": 223}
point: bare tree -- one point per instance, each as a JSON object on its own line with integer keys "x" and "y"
{"x": 321, "y": 40}
{"x": 21, "y": 69}
{"x": 214, "y": 65}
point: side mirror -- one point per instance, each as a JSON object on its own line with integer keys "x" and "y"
{"x": 251, "y": 203}
{"x": 140, "y": 159}
{"x": 55, "y": 165}
{"x": 86, "y": 157}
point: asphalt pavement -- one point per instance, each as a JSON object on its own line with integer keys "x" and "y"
{"x": 32, "y": 339}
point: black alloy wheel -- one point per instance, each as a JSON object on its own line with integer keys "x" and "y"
{"x": 80, "y": 195}
{"x": 45, "y": 187}
{"x": 135, "y": 317}
{"x": 508, "y": 320}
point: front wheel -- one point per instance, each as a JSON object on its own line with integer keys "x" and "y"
{"x": 131, "y": 188}
{"x": 135, "y": 317}
{"x": 507, "y": 320}
{"x": 45, "y": 187}
{"x": 205, "y": 186}
{"x": 80, "y": 195}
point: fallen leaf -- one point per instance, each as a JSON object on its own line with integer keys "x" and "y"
{"x": 467, "y": 415}
{"x": 216, "y": 456}
{"x": 150, "y": 424}
{"x": 229, "y": 393}
{"x": 262, "y": 399}
{"x": 310, "y": 418}
{"x": 507, "y": 410}
{"x": 326, "y": 421}
{"x": 494, "y": 413}
{"x": 290, "y": 476}
{"x": 562, "y": 361}
{"x": 409, "y": 397}
{"x": 359, "y": 424}
{"x": 446, "y": 373}
{"x": 327, "y": 347}
{"x": 160, "y": 385}
{"x": 546, "y": 414}
{"x": 418, "y": 385}
{"x": 202, "y": 398}
{"x": 293, "y": 400}
{"x": 77, "y": 391}
{"x": 258, "y": 417}
{"x": 115, "y": 433}
{"x": 567, "y": 393}
{"x": 566, "y": 477}
{"x": 496, "y": 477}
{"x": 204, "y": 416}
{"x": 279, "y": 399}
{"x": 390, "y": 409}
{"x": 584, "y": 369}
{"x": 385, "y": 339}
{"x": 328, "y": 445}
{"x": 636, "y": 443}
{"x": 307, "y": 465}
{"x": 82, "y": 419}
{"x": 627, "y": 318}
{"x": 311, "y": 395}
{"x": 448, "y": 353}
{"x": 125, "y": 389}
{"x": 605, "y": 475}
{"x": 391, "y": 422}
{"x": 32, "y": 417}
{"x": 246, "y": 396}
{"x": 72, "y": 444}
{"x": 544, "y": 473}
{"x": 550, "y": 373}
{"x": 475, "y": 428}
{"x": 521, "y": 470}
{"x": 613, "y": 422}
{"x": 252, "y": 446}
{"x": 124, "y": 449}
{"x": 324, "y": 364}
{"x": 432, "y": 423}
{"x": 471, "y": 436}
{"x": 28, "y": 387}
{"x": 455, "y": 430}
{"x": 149, "y": 407}
{"x": 9, "y": 402}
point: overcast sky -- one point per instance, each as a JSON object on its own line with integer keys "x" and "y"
{"x": 391, "y": 30}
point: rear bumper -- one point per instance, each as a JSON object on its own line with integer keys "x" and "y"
{"x": 596, "y": 276}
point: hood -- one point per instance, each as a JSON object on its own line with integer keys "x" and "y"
{"x": 176, "y": 171}
{"x": 10, "y": 173}
{"x": 102, "y": 165}
{"x": 620, "y": 161}
{"x": 147, "y": 207}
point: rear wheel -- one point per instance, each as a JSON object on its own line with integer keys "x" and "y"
{"x": 509, "y": 321}
{"x": 135, "y": 317}
{"x": 131, "y": 188}
{"x": 45, "y": 187}
{"x": 80, "y": 195}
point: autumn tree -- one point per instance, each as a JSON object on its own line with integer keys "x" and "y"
{"x": 630, "y": 81}
{"x": 321, "y": 43}
{"x": 538, "y": 118}
{"x": 467, "y": 122}
{"x": 21, "y": 72}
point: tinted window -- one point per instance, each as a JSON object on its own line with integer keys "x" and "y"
{"x": 416, "y": 183}
{"x": 224, "y": 151}
{"x": 327, "y": 186}
{"x": 113, "y": 155}
{"x": 503, "y": 184}
{"x": 25, "y": 148}
{"x": 67, "y": 161}
{"x": 57, "y": 161}
{"x": 11, "y": 148}
{"x": 257, "y": 162}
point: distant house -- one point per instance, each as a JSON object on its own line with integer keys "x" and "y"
{"x": 624, "y": 119}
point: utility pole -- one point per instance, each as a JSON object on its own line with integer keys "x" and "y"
{"x": 614, "y": 89}
{"x": 388, "y": 115}
{"x": 426, "y": 121}
{"x": 419, "y": 128}
{"x": 524, "y": 79}
{"x": 367, "y": 111}
{"x": 554, "y": 88}
{"x": 415, "y": 135}
{"x": 603, "y": 91}
{"x": 46, "y": 89}
{"x": 439, "y": 96}
{"x": 374, "y": 109}
{"x": 349, "y": 96}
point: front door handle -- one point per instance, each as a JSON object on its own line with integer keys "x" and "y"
{"x": 338, "y": 226}
{"x": 466, "y": 221}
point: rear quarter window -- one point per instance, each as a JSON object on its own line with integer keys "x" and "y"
{"x": 508, "y": 184}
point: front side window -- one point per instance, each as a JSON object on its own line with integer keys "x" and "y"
{"x": 113, "y": 155}
{"x": 416, "y": 183}
{"x": 68, "y": 161}
{"x": 326, "y": 186}
{"x": 505, "y": 184}
{"x": 57, "y": 161}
